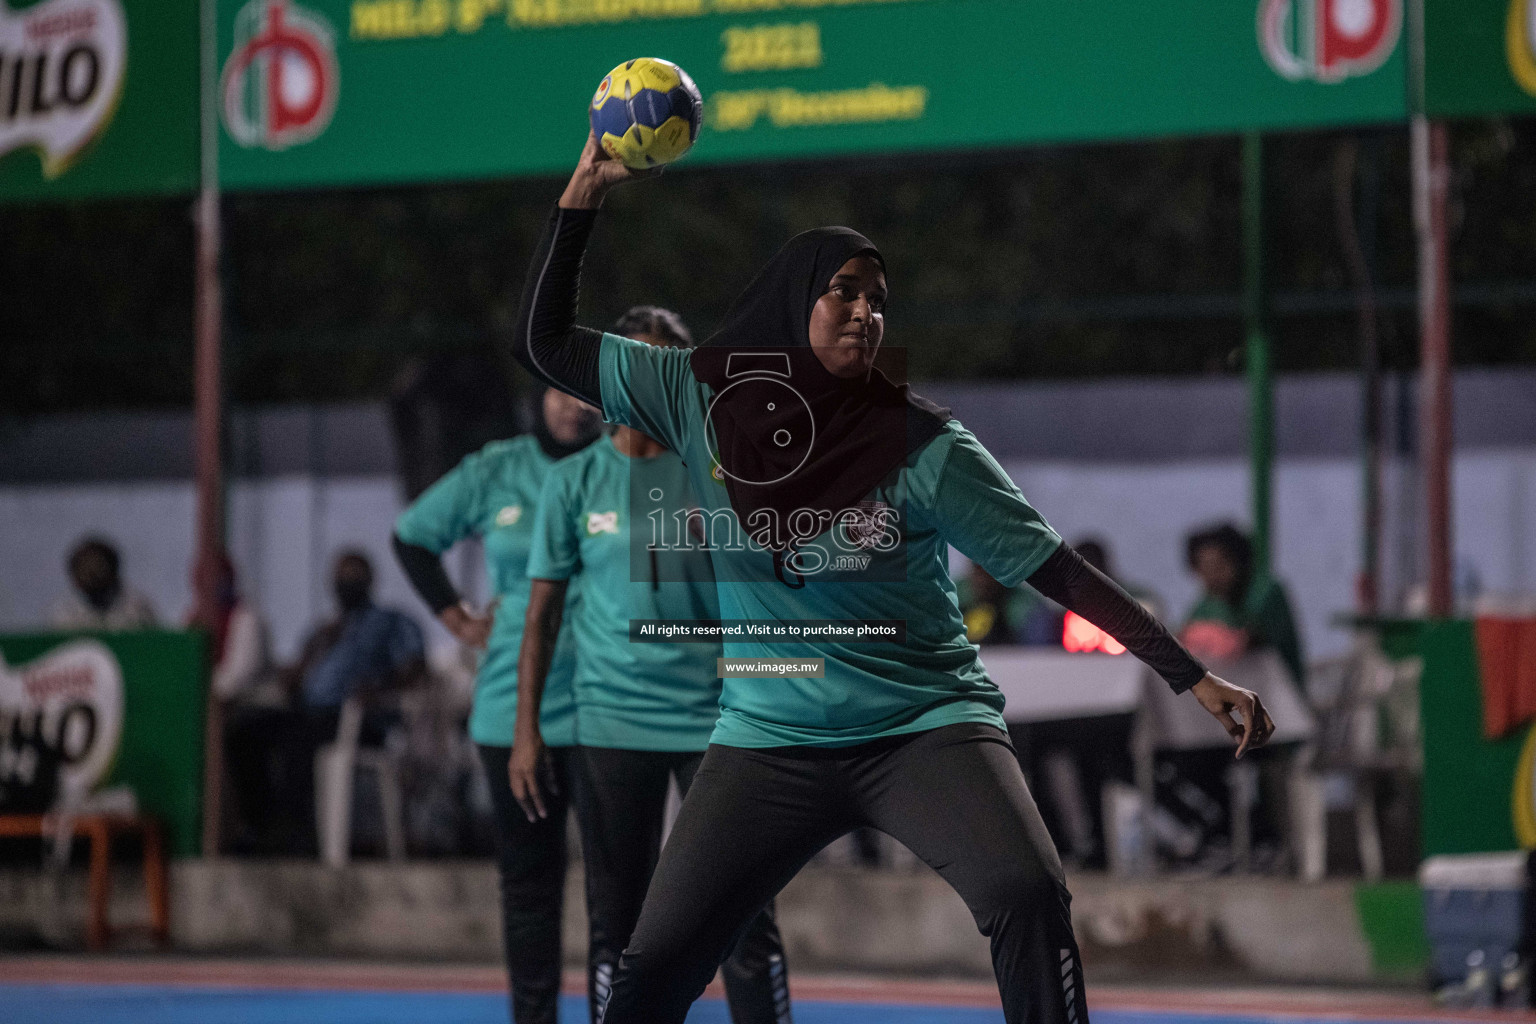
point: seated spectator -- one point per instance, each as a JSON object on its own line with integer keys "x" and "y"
{"x": 1240, "y": 609}
{"x": 365, "y": 651}
{"x": 251, "y": 701}
{"x": 101, "y": 599}
{"x": 239, "y": 651}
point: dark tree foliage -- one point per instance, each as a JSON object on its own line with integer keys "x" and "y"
{"x": 1059, "y": 262}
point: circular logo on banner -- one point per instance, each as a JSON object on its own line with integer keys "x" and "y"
{"x": 70, "y": 700}
{"x": 280, "y": 83}
{"x": 1328, "y": 40}
{"x": 1520, "y": 43}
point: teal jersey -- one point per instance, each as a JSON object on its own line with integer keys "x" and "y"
{"x": 493, "y": 494}
{"x": 888, "y": 560}
{"x": 596, "y": 517}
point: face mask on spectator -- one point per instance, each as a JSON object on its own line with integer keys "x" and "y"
{"x": 351, "y": 594}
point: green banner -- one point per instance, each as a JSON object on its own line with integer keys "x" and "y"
{"x": 98, "y": 98}
{"x": 341, "y": 92}
{"x": 122, "y": 708}
{"x": 1469, "y": 802}
{"x": 1479, "y": 57}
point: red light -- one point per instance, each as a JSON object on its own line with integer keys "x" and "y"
{"x": 1078, "y": 634}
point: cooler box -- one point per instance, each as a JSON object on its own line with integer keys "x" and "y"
{"x": 1472, "y": 902}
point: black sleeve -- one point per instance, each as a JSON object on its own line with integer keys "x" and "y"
{"x": 424, "y": 568}
{"x": 545, "y": 338}
{"x": 1077, "y": 586}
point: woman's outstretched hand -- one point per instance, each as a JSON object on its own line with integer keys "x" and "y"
{"x": 1222, "y": 699}
{"x": 597, "y": 172}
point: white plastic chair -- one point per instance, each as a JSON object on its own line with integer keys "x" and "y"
{"x": 1348, "y": 754}
{"x": 336, "y": 767}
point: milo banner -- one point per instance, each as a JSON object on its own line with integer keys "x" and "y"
{"x": 110, "y": 709}
{"x": 97, "y": 98}
{"x": 339, "y": 92}
{"x": 1479, "y": 57}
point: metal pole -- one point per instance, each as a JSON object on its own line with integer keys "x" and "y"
{"x": 208, "y": 400}
{"x": 1261, "y": 399}
{"x": 1431, "y": 195}
{"x": 1357, "y": 237}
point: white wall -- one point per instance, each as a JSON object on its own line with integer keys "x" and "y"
{"x": 284, "y": 532}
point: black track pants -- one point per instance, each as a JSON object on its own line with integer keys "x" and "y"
{"x": 622, "y": 804}
{"x": 954, "y": 796}
{"x": 531, "y": 858}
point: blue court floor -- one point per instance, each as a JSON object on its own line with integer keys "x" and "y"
{"x": 132, "y": 1004}
{"x": 26, "y": 1003}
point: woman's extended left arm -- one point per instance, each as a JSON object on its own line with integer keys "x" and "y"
{"x": 981, "y": 512}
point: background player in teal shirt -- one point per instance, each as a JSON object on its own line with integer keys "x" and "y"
{"x": 850, "y": 490}
{"x": 644, "y": 711}
{"x": 493, "y": 495}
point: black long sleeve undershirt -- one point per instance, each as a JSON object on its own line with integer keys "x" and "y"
{"x": 547, "y": 341}
{"x": 545, "y": 338}
{"x": 1078, "y": 587}
{"x": 424, "y": 568}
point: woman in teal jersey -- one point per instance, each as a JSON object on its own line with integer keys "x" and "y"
{"x": 492, "y": 495}
{"x": 832, "y": 493}
{"x": 644, "y": 711}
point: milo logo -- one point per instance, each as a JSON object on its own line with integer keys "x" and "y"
{"x": 61, "y": 71}
{"x": 69, "y": 703}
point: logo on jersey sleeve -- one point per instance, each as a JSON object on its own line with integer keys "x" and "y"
{"x": 509, "y": 515}
{"x": 602, "y": 522}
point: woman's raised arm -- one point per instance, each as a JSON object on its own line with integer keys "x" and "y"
{"x": 546, "y": 338}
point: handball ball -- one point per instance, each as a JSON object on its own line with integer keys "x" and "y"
{"x": 646, "y": 112}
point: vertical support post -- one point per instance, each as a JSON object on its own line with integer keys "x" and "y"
{"x": 1357, "y": 238}
{"x": 1431, "y": 197}
{"x": 1261, "y": 398}
{"x": 208, "y": 402}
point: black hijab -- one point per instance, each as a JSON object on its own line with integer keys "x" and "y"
{"x": 552, "y": 447}
{"x": 789, "y": 435}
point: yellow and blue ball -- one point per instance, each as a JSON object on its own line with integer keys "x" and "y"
{"x": 646, "y": 112}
